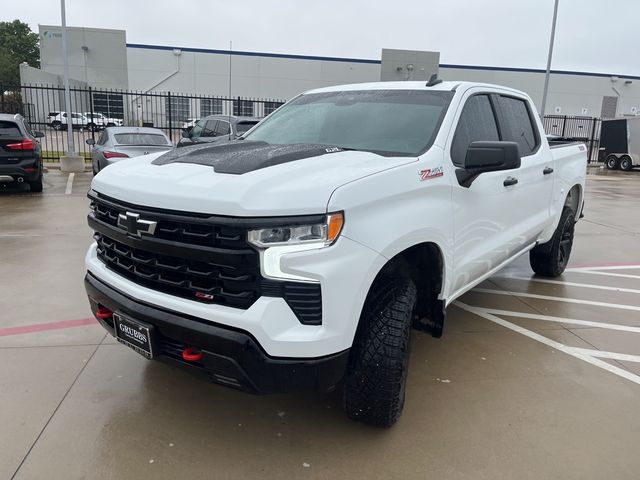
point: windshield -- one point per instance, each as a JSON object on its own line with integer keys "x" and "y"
{"x": 140, "y": 139}
{"x": 388, "y": 122}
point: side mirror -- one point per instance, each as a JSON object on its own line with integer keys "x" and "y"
{"x": 90, "y": 141}
{"x": 38, "y": 134}
{"x": 492, "y": 157}
{"x": 487, "y": 157}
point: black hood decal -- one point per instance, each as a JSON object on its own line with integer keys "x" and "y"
{"x": 238, "y": 157}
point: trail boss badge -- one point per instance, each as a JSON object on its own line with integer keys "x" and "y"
{"x": 429, "y": 173}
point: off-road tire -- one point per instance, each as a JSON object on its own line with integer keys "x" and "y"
{"x": 626, "y": 163}
{"x": 551, "y": 258}
{"x": 374, "y": 387}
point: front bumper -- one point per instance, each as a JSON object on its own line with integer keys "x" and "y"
{"x": 232, "y": 357}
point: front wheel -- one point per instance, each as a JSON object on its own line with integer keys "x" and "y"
{"x": 551, "y": 258}
{"x": 376, "y": 377}
{"x": 626, "y": 163}
{"x": 56, "y": 125}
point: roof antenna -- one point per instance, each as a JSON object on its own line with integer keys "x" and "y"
{"x": 434, "y": 80}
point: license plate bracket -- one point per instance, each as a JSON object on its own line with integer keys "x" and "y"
{"x": 135, "y": 334}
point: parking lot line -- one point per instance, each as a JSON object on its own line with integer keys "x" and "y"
{"x": 612, "y": 355}
{"x": 577, "y": 353}
{"x": 557, "y": 299}
{"x": 67, "y": 190}
{"x": 572, "y": 284}
{"x": 608, "y": 274}
{"x": 569, "y": 321}
{"x": 42, "y": 327}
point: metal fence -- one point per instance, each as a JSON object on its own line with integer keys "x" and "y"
{"x": 170, "y": 112}
{"x": 92, "y": 109}
{"x": 582, "y": 129}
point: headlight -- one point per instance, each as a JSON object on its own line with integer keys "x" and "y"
{"x": 321, "y": 233}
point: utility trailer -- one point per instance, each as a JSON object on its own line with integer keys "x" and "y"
{"x": 620, "y": 140}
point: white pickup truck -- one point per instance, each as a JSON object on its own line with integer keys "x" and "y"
{"x": 301, "y": 255}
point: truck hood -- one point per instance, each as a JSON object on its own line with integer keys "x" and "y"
{"x": 240, "y": 179}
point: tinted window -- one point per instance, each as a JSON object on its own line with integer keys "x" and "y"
{"x": 222, "y": 128}
{"x": 477, "y": 123}
{"x": 518, "y": 126}
{"x": 10, "y": 130}
{"x": 389, "y": 122}
{"x": 140, "y": 139}
{"x": 209, "y": 129}
{"x": 103, "y": 138}
{"x": 242, "y": 127}
{"x": 196, "y": 131}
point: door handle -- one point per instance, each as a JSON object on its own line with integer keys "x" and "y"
{"x": 510, "y": 181}
{"x": 547, "y": 171}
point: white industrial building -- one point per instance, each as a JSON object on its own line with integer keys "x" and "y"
{"x": 103, "y": 59}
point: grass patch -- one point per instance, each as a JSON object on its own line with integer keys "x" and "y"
{"x": 53, "y": 156}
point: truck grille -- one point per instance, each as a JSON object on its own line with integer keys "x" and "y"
{"x": 195, "y": 257}
{"x": 191, "y": 279}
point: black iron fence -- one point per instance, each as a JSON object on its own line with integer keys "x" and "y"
{"x": 93, "y": 109}
{"x": 582, "y": 129}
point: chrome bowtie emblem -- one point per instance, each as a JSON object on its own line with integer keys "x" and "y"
{"x": 132, "y": 223}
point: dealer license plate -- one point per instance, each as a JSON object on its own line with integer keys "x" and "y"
{"x": 134, "y": 334}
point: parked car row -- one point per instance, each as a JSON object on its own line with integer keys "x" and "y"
{"x": 89, "y": 120}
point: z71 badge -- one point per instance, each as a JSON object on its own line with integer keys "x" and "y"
{"x": 429, "y": 173}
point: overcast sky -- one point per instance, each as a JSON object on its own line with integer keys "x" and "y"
{"x": 592, "y": 35}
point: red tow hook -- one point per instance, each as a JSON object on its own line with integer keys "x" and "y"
{"x": 192, "y": 354}
{"x": 104, "y": 313}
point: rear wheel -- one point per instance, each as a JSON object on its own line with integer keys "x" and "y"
{"x": 551, "y": 258}
{"x": 36, "y": 186}
{"x": 376, "y": 377}
{"x": 626, "y": 163}
{"x": 612, "y": 162}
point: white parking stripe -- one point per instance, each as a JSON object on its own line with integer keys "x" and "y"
{"x": 558, "y": 299}
{"x": 606, "y": 267}
{"x": 67, "y": 190}
{"x": 608, "y": 274}
{"x": 568, "y": 321}
{"x": 551, "y": 343}
{"x": 612, "y": 355}
{"x": 574, "y": 284}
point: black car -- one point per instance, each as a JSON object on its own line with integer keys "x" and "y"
{"x": 20, "y": 153}
{"x": 215, "y": 128}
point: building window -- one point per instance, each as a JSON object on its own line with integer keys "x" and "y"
{"x": 270, "y": 107}
{"x": 210, "y": 106}
{"x": 111, "y": 105}
{"x": 180, "y": 110}
{"x": 243, "y": 108}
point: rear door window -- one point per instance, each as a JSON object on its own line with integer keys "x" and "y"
{"x": 477, "y": 123}
{"x": 222, "y": 128}
{"x": 518, "y": 124}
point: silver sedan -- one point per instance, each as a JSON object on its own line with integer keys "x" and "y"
{"x": 119, "y": 143}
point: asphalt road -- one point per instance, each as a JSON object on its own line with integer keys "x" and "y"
{"x": 531, "y": 380}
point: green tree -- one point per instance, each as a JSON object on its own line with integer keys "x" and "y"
{"x": 17, "y": 44}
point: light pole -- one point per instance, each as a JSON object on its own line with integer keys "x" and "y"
{"x": 71, "y": 150}
{"x": 548, "y": 72}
